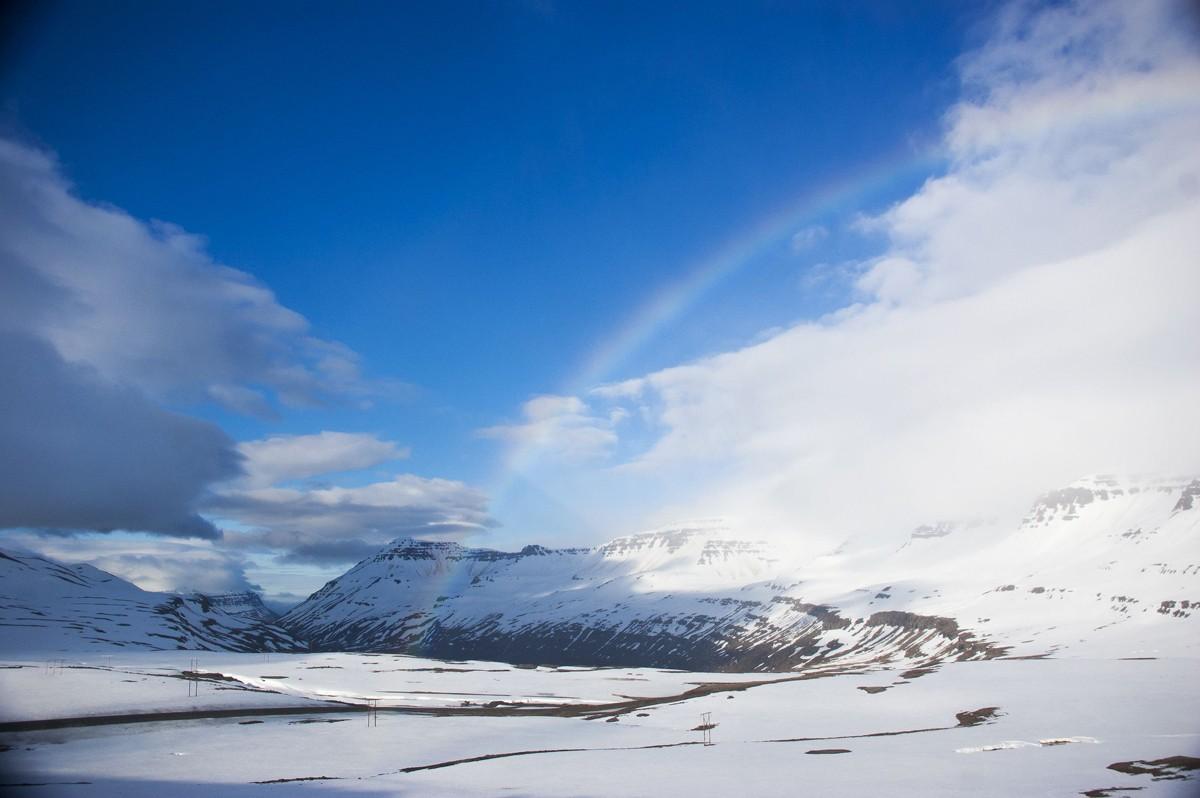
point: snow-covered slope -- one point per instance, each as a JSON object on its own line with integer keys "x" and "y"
{"x": 1101, "y": 567}
{"x": 47, "y": 606}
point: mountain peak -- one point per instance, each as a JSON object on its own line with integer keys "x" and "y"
{"x": 408, "y": 548}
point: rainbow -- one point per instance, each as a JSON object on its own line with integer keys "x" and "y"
{"x": 846, "y": 194}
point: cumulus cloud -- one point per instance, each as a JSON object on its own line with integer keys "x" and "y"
{"x": 281, "y": 458}
{"x": 320, "y": 524}
{"x": 343, "y": 524}
{"x": 1033, "y": 318}
{"x": 103, "y": 318}
{"x": 561, "y": 426}
{"x": 145, "y": 305}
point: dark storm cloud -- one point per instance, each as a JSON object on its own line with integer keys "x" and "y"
{"x": 81, "y": 452}
{"x": 332, "y": 552}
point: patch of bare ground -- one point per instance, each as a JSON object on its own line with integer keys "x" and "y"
{"x": 917, "y": 673}
{"x": 1109, "y": 792}
{"x": 211, "y": 677}
{"x": 978, "y": 717}
{"x": 1165, "y": 769}
{"x": 828, "y": 751}
{"x": 874, "y": 690}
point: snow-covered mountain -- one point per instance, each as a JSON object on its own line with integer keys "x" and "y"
{"x": 1103, "y": 566}
{"x": 47, "y": 606}
{"x": 247, "y": 605}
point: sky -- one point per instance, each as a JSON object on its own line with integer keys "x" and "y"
{"x": 282, "y": 282}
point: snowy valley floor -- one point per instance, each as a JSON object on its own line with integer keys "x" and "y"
{"x": 1049, "y": 727}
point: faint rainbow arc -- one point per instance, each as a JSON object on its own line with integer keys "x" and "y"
{"x": 847, "y": 193}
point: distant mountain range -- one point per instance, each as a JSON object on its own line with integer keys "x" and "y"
{"x": 47, "y": 606}
{"x": 1104, "y": 567}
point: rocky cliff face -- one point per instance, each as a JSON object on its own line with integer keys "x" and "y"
{"x": 247, "y": 605}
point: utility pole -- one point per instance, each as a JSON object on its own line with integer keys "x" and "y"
{"x": 706, "y": 726}
{"x": 372, "y": 711}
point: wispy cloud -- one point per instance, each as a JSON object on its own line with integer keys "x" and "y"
{"x": 808, "y": 237}
{"x": 340, "y": 524}
{"x": 271, "y": 508}
{"x": 281, "y": 458}
{"x": 561, "y": 427}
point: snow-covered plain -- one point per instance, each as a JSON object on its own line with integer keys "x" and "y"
{"x": 1049, "y": 727}
{"x": 1057, "y": 657}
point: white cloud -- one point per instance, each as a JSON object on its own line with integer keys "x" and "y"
{"x": 281, "y": 458}
{"x": 1033, "y": 319}
{"x": 561, "y": 427}
{"x": 146, "y": 306}
{"x": 157, "y": 565}
{"x": 322, "y": 524}
{"x": 103, "y": 318}
{"x": 347, "y": 523}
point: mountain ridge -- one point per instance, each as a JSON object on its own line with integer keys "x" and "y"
{"x": 694, "y": 597}
{"x": 1103, "y": 566}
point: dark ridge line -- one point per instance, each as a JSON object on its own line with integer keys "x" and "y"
{"x": 967, "y": 719}
{"x": 859, "y": 736}
{"x": 300, "y": 778}
{"x": 152, "y": 717}
{"x": 505, "y": 755}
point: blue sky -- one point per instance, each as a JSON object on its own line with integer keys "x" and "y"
{"x": 475, "y": 196}
{"x": 555, "y": 272}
